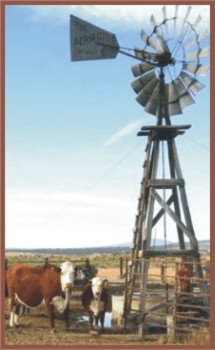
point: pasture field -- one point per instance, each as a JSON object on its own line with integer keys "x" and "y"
{"x": 34, "y": 329}
{"x": 106, "y": 260}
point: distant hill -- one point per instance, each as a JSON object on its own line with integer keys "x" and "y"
{"x": 73, "y": 251}
{"x": 204, "y": 247}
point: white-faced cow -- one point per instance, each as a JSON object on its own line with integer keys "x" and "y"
{"x": 95, "y": 300}
{"x": 31, "y": 286}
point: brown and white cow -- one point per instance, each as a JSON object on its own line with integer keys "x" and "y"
{"x": 31, "y": 286}
{"x": 95, "y": 301}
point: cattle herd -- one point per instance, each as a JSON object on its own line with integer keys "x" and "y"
{"x": 52, "y": 286}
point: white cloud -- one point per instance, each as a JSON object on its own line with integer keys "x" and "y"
{"x": 125, "y": 131}
{"x": 68, "y": 219}
{"x": 49, "y": 220}
{"x": 125, "y": 16}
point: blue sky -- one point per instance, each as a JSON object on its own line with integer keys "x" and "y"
{"x": 73, "y": 160}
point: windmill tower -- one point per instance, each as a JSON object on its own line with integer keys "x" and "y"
{"x": 166, "y": 83}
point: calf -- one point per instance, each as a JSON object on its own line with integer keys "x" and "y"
{"x": 95, "y": 300}
{"x": 30, "y": 286}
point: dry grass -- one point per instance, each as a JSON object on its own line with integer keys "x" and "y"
{"x": 200, "y": 337}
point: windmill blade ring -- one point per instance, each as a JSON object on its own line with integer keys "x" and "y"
{"x": 167, "y": 76}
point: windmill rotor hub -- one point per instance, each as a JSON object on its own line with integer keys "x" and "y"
{"x": 165, "y": 59}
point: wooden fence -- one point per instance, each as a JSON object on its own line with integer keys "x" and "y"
{"x": 169, "y": 302}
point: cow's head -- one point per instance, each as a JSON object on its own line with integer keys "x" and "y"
{"x": 97, "y": 305}
{"x": 67, "y": 271}
{"x": 67, "y": 275}
{"x": 97, "y": 285}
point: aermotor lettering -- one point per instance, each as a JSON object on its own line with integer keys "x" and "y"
{"x": 94, "y": 37}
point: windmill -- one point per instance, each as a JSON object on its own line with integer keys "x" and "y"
{"x": 166, "y": 82}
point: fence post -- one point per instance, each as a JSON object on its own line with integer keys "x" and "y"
{"x": 167, "y": 295}
{"x": 121, "y": 266}
{"x": 172, "y": 334}
{"x": 163, "y": 273}
{"x": 170, "y": 328}
{"x": 143, "y": 291}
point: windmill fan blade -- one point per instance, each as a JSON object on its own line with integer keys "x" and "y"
{"x": 185, "y": 20}
{"x": 185, "y": 28}
{"x": 173, "y": 100}
{"x": 197, "y": 40}
{"x": 144, "y": 55}
{"x": 192, "y": 84}
{"x": 175, "y": 18}
{"x": 197, "y": 54}
{"x": 190, "y": 27}
{"x": 138, "y": 53}
{"x": 165, "y": 18}
{"x": 184, "y": 96}
{"x": 153, "y": 101}
{"x": 176, "y": 11}
{"x": 164, "y": 13}
{"x": 199, "y": 69}
{"x": 141, "y": 68}
{"x": 153, "y": 23}
{"x": 186, "y": 100}
{"x": 146, "y": 93}
{"x": 187, "y": 13}
{"x": 142, "y": 98}
{"x": 161, "y": 44}
{"x": 140, "y": 83}
{"x": 148, "y": 40}
{"x": 197, "y": 21}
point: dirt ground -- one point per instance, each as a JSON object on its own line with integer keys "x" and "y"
{"x": 112, "y": 274}
{"x": 35, "y": 331}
